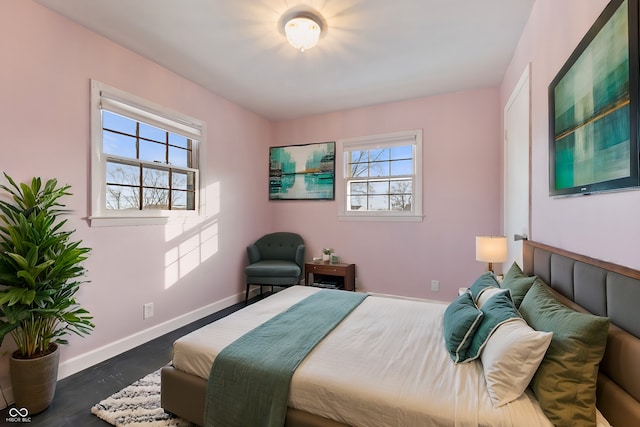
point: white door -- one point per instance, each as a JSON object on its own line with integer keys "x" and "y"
{"x": 516, "y": 169}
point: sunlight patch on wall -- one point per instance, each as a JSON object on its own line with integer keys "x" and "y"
{"x": 209, "y": 245}
{"x": 175, "y": 231}
{"x": 181, "y": 260}
{"x": 192, "y": 242}
{"x": 192, "y": 248}
{"x": 172, "y": 268}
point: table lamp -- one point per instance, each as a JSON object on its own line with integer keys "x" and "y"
{"x": 491, "y": 249}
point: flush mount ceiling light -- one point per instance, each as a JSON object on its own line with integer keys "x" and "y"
{"x": 303, "y": 30}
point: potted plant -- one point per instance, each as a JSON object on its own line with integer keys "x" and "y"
{"x": 40, "y": 272}
{"x": 326, "y": 254}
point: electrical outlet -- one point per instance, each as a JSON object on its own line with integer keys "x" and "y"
{"x": 148, "y": 310}
{"x": 435, "y": 286}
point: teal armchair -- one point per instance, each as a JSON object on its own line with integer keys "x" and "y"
{"x": 276, "y": 259}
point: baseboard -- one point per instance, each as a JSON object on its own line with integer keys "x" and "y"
{"x": 89, "y": 359}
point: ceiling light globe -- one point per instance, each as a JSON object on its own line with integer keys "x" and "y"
{"x": 302, "y": 32}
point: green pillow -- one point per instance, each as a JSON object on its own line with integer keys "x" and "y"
{"x": 497, "y": 310}
{"x": 518, "y": 283}
{"x": 461, "y": 318}
{"x": 565, "y": 382}
{"x": 487, "y": 280}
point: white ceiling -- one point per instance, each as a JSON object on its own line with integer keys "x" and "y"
{"x": 371, "y": 52}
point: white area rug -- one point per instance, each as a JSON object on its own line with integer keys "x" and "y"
{"x": 137, "y": 405}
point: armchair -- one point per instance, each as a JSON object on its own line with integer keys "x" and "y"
{"x": 276, "y": 259}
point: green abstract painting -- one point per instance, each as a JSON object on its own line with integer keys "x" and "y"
{"x": 302, "y": 172}
{"x": 591, "y": 111}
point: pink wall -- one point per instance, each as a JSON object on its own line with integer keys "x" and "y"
{"x": 461, "y": 167}
{"x": 44, "y": 114}
{"x": 603, "y": 226}
{"x": 47, "y": 64}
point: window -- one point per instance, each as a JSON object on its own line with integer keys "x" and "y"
{"x": 145, "y": 160}
{"x": 383, "y": 177}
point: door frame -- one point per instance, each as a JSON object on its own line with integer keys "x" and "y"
{"x": 524, "y": 83}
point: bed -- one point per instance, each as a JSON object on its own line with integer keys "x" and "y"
{"x": 390, "y": 386}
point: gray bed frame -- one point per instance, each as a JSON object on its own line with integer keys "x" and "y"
{"x": 581, "y": 282}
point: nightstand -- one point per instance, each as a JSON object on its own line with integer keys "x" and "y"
{"x": 333, "y": 276}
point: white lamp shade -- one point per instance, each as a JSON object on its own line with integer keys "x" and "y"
{"x": 302, "y": 32}
{"x": 491, "y": 248}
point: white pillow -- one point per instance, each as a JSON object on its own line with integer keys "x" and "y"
{"x": 487, "y": 293}
{"x": 510, "y": 358}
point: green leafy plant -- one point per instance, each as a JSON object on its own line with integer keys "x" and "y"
{"x": 40, "y": 269}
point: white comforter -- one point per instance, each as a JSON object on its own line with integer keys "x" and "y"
{"x": 384, "y": 365}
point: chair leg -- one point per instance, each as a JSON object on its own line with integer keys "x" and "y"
{"x": 246, "y": 295}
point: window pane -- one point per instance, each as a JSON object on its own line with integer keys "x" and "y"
{"x": 358, "y": 188}
{"x": 121, "y": 173}
{"x": 401, "y": 167}
{"x": 119, "y": 198}
{"x": 401, "y": 202}
{"x": 178, "y": 200}
{"x": 179, "y": 140}
{"x": 378, "y": 203}
{"x": 183, "y": 180}
{"x": 379, "y": 169}
{"x": 118, "y": 145}
{"x": 191, "y": 200}
{"x": 359, "y": 156}
{"x": 401, "y": 187}
{"x": 356, "y": 203}
{"x": 182, "y": 200}
{"x": 379, "y": 187}
{"x": 154, "y": 198}
{"x": 379, "y": 154}
{"x": 179, "y": 157}
{"x": 153, "y": 152}
{"x": 359, "y": 170}
{"x": 403, "y": 152}
{"x": 119, "y": 123}
{"x": 155, "y": 178}
{"x": 152, "y": 132}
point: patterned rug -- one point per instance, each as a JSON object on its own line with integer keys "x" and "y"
{"x": 137, "y": 405}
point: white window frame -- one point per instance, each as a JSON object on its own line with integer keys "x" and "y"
{"x": 136, "y": 108}
{"x": 410, "y": 137}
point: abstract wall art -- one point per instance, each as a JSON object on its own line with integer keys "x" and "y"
{"x": 593, "y": 112}
{"x": 302, "y": 172}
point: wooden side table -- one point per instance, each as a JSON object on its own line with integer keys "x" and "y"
{"x": 344, "y": 274}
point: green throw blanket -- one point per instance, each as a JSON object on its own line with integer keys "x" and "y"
{"x": 250, "y": 378}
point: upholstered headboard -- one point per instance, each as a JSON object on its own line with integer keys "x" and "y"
{"x": 604, "y": 289}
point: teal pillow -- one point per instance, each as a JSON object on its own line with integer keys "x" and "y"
{"x": 518, "y": 283}
{"x": 497, "y": 310}
{"x": 487, "y": 280}
{"x": 565, "y": 382}
{"x": 461, "y": 318}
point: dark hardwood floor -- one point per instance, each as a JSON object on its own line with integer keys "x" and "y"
{"x": 76, "y": 394}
